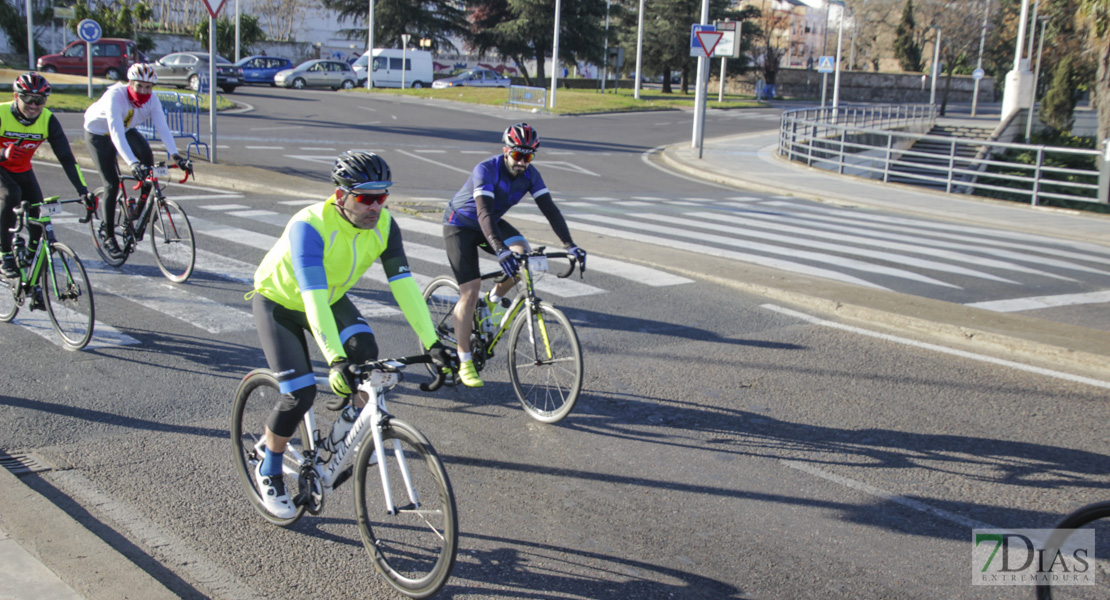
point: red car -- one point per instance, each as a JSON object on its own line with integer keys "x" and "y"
{"x": 110, "y": 58}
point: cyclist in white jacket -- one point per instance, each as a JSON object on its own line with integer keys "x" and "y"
{"x": 110, "y": 132}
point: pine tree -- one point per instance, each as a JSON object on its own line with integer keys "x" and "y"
{"x": 906, "y": 50}
{"x": 1058, "y": 105}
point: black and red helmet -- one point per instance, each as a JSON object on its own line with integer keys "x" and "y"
{"x": 31, "y": 83}
{"x": 521, "y": 136}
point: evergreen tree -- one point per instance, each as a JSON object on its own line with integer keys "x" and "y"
{"x": 437, "y": 20}
{"x": 1058, "y": 105}
{"x": 906, "y": 49}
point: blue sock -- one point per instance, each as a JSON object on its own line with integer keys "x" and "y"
{"x": 271, "y": 465}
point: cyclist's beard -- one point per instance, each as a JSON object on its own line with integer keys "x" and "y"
{"x": 365, "y": 223}
{"x": 19, "y": 116}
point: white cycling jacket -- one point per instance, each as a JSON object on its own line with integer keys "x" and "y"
{"x": 113, "y": 114}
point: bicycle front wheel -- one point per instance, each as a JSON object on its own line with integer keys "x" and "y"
{"x": 545, "y": 363}
{"x": 171, "y": 238}
{"x": 68, "y": 296}
{"x": 413, "y": 547}
{"x": 255, "y": 399}
{"x": 8, "y": 305}
{"x": 1093, "y": 518}
{"x": 96, "y": 225}
{"x": 441, "y": 295}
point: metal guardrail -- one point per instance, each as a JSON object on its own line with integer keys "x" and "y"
{"x": 522, "y": 96}
{"x": 877, "y": 142}
{"x": 183, "y": 116}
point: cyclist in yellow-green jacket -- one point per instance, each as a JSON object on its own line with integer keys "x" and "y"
{"x": 301, "y": 285}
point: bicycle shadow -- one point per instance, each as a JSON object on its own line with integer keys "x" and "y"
{"x": 586, "y": 320}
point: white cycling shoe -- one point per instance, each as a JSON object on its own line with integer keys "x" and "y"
{"x": 273, "y": 494}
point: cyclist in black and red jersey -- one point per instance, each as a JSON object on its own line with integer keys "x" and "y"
{"x": 25, "y": 123}
{"x": 473, "y": 220}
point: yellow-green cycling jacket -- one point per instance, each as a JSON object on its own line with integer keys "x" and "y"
{"x": 321, "y": 255}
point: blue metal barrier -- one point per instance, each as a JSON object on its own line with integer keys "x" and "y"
{"x": 183, "y": 116}
{"x": 522, "y": 96}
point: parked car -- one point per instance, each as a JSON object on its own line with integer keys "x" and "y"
{"x": 261, "y": 69}
{"x": 332, "y": 74}
{"x": 393, "y": 66}
{"x": 184, "y": 70}
{"x": 474, "y": 78}
{"x": 110, "y": 58}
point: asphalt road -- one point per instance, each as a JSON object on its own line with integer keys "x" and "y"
{"x": 724, "y": 446}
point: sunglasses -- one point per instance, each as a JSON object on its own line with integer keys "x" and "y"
{"x": 33, "y": 100}
{"x": 369, "y": 199}
{"x": 522, "y": 157}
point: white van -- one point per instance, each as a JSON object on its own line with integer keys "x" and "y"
{"x": 387, "y": 70}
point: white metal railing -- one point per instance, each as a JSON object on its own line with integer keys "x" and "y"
{"x": 878, "y": 142}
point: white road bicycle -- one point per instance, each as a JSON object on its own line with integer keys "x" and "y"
{"x": 405, "y": 505}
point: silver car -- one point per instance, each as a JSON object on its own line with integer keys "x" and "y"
{"x": 334, "y": 74}
{"x": 473, "y": 78}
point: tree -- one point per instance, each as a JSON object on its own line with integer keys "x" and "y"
{"x": 1058, "y": 105}
{"x": 249, "y": 33}
{"x": 906, "y": 48}
{"x": 280, "y": 18}
{"x": 1094, "y": 17}
{"x": 524, "y": 29}
{"x": 437, "y": 20}
{"x": 769, "y": 41}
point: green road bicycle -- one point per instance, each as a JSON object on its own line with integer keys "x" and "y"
{"x": 403, "y": 498}
{"x": 171, "y": 235}
{"x": 545, "y": 358}
{"x": 52, "y": 278}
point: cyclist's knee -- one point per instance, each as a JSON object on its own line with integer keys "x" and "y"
{"x": 290, "y": 410}
{"x": 361, "y": 347}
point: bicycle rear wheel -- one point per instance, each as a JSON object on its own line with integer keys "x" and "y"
{"x": 545, "y": 363}
{"x": 171, "y": 238}
{"x": 68, "y": 296}
{"x": 8, "y": 306}
{"x": 256, "y": 397}
{"x": 441, "y": 294}
{"x": 96, "y": 224}
{"x": 413, "y": 548}
{"x": 1093, "y": 517}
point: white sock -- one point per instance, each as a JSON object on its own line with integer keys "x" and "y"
{"x": 493, "y": 297}
{"x": 465, "y": 356}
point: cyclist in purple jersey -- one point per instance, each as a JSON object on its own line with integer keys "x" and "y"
{"x": 474, "y": 219}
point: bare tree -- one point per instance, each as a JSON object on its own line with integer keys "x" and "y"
{"x": 280, "y": 18}
{"x": 770, "y": 41}
{"x": 872, "y": 23}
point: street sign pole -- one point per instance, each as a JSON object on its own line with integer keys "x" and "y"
{"x": 89, "y": 31}
{"x": 404, "y": 47}
{"x": 212, "y": 14}
{"x": 703, "y": 39}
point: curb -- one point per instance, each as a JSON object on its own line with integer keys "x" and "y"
{"x": 84, "y": 561}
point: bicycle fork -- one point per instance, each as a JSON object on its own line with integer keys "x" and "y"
{"x": 376, "y": 419}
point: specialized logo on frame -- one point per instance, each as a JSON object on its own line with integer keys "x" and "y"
{"x": 1033, "y": 556}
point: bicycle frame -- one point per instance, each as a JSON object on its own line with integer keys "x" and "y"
{"x": 529, "y": 299}
{"x": 49, "y": 206}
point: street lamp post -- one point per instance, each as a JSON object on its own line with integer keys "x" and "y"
{"x": 639, "y": 50}
{"x": 605, "y": 51}
{"x": 839, "y": 49}
{"x": 370, "y": 48}
{"x": 555, "y": 54}
{"x": 404, "y": 47}
{"x": 236, "y": 30}
{"x": 1036, "y": 77}
{"x": 979, "y": 65}
{"x": 936, "y": 68}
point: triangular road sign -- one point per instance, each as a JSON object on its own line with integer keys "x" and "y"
{"x": 214, "y": 13}
{"x": 709, "y": 40}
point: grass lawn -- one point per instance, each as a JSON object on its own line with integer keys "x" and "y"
{"x": 570, "y": 102}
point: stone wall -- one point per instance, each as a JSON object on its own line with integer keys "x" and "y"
{"x": 865, "y": 86}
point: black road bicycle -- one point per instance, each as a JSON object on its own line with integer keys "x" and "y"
{"x": 1092, "y": 518}
{"x": 171, "y": 235}
{"x": 51, "y": 277}
{"x": 545, "y": 358}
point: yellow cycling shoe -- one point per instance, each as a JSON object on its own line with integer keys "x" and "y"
{"x": 469, "y": 375}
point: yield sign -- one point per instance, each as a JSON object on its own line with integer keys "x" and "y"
{"x": 214, "y": 13}
{"x": 709, "y": 40}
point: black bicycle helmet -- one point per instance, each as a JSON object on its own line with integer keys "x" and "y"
{"x": 31, "y": 83}
{"x": 521, "y": 136}
{"x": 358, "y": 170}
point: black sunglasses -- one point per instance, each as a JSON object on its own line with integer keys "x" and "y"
{"x": 33, "y": 99}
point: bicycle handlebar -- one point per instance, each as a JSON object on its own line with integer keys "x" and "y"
{"x": 139, "y": 184}
{"x": 26, "y": 204}
{"x": 362, "y": 371}
{"x": 571, "y": 266}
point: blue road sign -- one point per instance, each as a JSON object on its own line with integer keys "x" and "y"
{"x": 89, "y": 31}
{"x": 825, "y": 64}
{"x": 695, "y": 45}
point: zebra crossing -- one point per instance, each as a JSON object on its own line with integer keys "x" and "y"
{"x": 991, "y": 269}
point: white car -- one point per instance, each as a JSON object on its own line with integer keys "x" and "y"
{"x": 473, "y": 78}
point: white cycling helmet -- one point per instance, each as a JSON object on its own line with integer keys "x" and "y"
{"x": 142, "y": 72}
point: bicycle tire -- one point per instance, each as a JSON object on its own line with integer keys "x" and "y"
{"x": 546, "y": 383}
{"x": 441, "y": 294}
{"x": 9, "y": 308}
{"x": 68, "y": 296}
{"x": 1077, "y": 519}
{"x": 171, "y": 239}
{"x": 111, "y": 261}
{"x": 256, "y": 396}
{"x": 414, "y": 549}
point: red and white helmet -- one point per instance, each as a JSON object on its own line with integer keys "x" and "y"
{"x": 142, "y": 72}
{"x": 521, "y": 136}
{"x": 31, "y": 83}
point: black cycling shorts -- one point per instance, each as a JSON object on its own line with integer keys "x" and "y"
{"x": 462, "y": 248}
{"x": 284, "y": 333}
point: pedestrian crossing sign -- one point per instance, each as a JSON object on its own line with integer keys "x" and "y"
{"x": 825, "y": 64}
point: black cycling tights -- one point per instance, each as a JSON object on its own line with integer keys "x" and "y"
{"x": 15, "y": 188}
{"x": 103, "y": 153}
